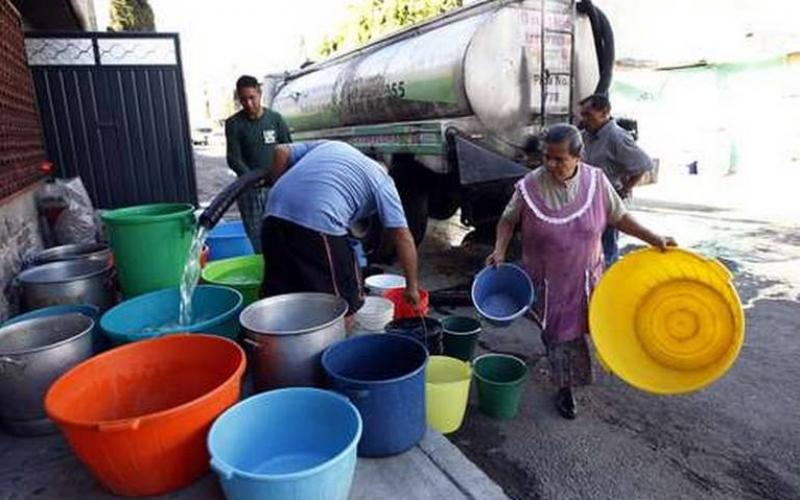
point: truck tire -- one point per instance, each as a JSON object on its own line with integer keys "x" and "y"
{"x": 443, "y": 199}
{"x": 413, "y": 182}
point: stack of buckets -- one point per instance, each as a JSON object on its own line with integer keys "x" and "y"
{"x": 374, "y": 315}
{"x": 150, "y": 244}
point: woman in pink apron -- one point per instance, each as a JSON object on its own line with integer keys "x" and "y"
{"x": 564, "y": 209}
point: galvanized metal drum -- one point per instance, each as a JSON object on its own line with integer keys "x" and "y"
{"x": 91, "y": 251}
{"x": 83, "y": 281}
{"x": 287, "y": 335}
{"x": 33, "y": 354}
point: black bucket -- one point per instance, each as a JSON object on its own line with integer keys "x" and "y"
{"x": 413, "y": 327}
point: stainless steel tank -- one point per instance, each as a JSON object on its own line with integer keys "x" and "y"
{"x": 490, "y": 61}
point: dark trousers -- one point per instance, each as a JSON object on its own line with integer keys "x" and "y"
{"x": 610, "y": 245}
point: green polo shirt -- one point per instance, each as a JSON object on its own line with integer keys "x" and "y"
{"x": 251, "y": 143}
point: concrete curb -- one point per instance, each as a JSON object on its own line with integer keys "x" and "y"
{"x": 433, "y": 470}
{"x": 471, "y": 480}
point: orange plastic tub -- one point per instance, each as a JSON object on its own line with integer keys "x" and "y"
{"x": 138, "y": 415}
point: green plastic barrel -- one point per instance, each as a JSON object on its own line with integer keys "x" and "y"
{"x": 241, "y": 273}
{"x": 500, "y": 379}
{"x": 150, "y": 244}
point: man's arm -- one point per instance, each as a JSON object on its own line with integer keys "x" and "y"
{"x": 284, "y": 135}
{"x": 407, "y": 255}
{"x": 280, "y": 164}
{"x": 633, "y": 160}
{"x": 630, "y": 183}
{"x": 234, "y": 151}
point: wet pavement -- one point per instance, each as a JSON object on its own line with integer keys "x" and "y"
{"x": 739, "y": 438}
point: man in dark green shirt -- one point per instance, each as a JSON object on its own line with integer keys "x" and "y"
{"x": 251, "y": 136}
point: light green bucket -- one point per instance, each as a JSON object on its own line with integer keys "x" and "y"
{"x": 241, "y": 273}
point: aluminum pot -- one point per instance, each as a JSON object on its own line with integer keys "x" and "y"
{"x": 81, "y": 281}
{"x": 287, "y": 334}
{"x": 91, "y": 251}
{"x": 33, "y": 354}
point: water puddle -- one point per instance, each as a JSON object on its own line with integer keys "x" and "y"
{"x": 191, "y": 275}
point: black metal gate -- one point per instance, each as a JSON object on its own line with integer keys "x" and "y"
{"x": 113, "y": 111}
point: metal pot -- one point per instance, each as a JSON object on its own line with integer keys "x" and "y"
{"x": 33, "y": 354}
{"x": 287, "y": 335}
{"x": 91, "y": 251}
{"x": 69, "y": 282}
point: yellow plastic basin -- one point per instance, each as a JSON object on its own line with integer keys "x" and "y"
{"x": 667, "y": 322}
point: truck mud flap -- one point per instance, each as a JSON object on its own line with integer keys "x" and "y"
{"x": 477, "y": 164}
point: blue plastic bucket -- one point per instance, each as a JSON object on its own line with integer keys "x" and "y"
{"x": 215, "y": 310}
{"x": 287, "y": 444}
{"x": 99, "y": 342}
{"x": 502, "y": 294}
{"x": 228, "y": 239}
{"x": 384, "y": 376}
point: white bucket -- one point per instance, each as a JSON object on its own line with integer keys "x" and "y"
{"x": 381, "y": 283}
{"x": 374, "y": 315}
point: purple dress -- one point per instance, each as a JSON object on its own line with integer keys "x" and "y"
{"x": 562, "y": 253}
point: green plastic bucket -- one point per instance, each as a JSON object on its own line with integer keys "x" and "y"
{"x": 460, "y": 336}
{"x": 150, "y": 244}
{"x": 241, "y": 273}
{"x": 500, "y": 379}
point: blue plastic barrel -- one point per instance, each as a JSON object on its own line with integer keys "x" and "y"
{"x": 502, "y": 294}
{"x": 215, "y": 310}
{"x": 384, "y": 376}
{"x": 99, "y": 342}
{"x": 228, "y": 239}
{"x": 287, "y": 444}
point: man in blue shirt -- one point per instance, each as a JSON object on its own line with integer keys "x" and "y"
{"x": 320, "y": 189}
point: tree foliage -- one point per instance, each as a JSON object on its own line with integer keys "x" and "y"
{"x": 132, "y": 15}
{"x": 370, "y": 19}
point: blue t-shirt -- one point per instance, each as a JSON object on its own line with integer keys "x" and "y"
{"x": 330, "y": 185}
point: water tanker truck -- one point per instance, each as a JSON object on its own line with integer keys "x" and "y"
{"x": 448, "y": 103}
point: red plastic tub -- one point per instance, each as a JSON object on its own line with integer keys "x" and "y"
{"x": 403, "y": 309}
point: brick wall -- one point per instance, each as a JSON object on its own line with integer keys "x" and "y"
{"x": 21, "y": 153}
{"x": 21, "y": 139}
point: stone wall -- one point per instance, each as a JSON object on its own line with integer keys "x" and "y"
{"x": 20, "y": 236}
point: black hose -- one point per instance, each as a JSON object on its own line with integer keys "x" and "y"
{"x": 603, "y": 44}
{"x": 605, "y": 59}
{"x": 220, "y": 204}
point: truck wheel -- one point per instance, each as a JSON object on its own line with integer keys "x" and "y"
{"x": 381, "y": 249}
{"x": 443, "y": 200}
{"x": 412, "y": 181}
{"x": 415, "y": 205}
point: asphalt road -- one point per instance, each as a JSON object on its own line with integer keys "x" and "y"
{"x": 739, "y": 438}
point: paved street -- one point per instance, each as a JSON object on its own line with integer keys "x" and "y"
{"x": 739, "y": 438}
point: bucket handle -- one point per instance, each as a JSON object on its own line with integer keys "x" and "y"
{"x": 224, "y": 470}
{"x": 125, "y": 425}
{"x": 355, "y": 394}
{"x": 252, "y": 343}
{"x": 8, "y": 360}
